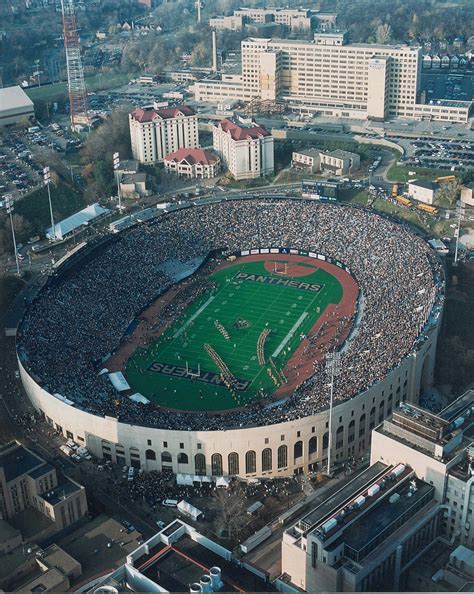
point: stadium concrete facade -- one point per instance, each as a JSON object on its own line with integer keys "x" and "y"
{"x": 252, "y": 450}
{"x": 294, "y": 446}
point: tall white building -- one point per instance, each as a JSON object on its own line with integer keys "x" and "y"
{"x": 245, "y": 148}
{"x": 334, "y": 78}
{"x": 155, "y": 133}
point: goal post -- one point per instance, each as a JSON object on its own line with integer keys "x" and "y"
{"x": 280, "y": 267}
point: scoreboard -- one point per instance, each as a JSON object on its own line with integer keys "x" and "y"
{"x": 319, "y": 190}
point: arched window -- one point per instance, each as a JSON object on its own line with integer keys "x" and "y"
{"x": 362, "y": 425}
{"x": 326, "y": 440}
{"x": 351, "y": 432}
{"x": 216, "y": 465}
{"x": 150, "y": 455}
{"x": 200, "y": 464}
{"x": 250, "y": 462}
{"x": 372, "y": 418}
{"x": 381, "y": 411}
{"x": 312, "y": 445}
{"x": 266, "y": 459}
{"x": 340, "y": 437}
{"x": 166, "y": 457}
{"x": 183, "y": 458}
{"x": 233, "y": 462}
{"x": 282, "y": 456}
{"x": 297, "y": 450}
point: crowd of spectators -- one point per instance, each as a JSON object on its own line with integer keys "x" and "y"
{"x": 80, "y": 319}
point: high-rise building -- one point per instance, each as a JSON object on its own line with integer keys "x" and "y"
{"x": 332, "y": 77}
{"x": 365, "y": 536}
{"x": 440, "y": 449}
{"x": 245, "y": 148}
{"x": 155, "y": 133}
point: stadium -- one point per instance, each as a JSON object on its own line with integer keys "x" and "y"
{"x": 196, "y": 338}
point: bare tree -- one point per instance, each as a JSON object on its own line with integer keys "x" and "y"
{"x": 384, "y": 34}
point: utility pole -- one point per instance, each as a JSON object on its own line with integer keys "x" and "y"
{"x": 9, "y": 207}
{"x": 332, "y": 369}
{"x": 116, "y": 161}
{"x": 47, "y": 181}
{"x": 457, "y": 232}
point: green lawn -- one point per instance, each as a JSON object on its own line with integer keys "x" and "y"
{"x": 95, "y": 83}
{"x": 244, "y": 308}
{"x": 400, "y": 173}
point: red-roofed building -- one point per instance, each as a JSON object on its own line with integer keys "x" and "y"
{"x": 194, "y": 163}
{"x": 155, "y": 133}
{"x": 245, "y": 148}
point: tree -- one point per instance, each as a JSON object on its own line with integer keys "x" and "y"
{"x": 231, "y": 514}
{"x": 384, "y": 34}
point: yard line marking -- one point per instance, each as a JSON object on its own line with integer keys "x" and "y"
{"x": 194, "y": 316}
{"x": 290, "y": 334}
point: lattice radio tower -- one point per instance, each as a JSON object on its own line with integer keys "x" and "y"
{"x": 75, "y": 73}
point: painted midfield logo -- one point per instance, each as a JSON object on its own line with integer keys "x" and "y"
{"x": 260, "y": 278}
{"x": 208, "y": 377}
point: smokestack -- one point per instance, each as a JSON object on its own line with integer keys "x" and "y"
{"x": 215, "y": 66}
{"x": 199, "y": 10}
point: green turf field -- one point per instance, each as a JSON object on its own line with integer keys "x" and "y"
{"x": 244, "y": 302}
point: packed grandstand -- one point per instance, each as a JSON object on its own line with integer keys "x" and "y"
{"x": 81, "y": 316}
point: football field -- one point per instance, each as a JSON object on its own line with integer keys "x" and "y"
{"x": 232, "y": 343}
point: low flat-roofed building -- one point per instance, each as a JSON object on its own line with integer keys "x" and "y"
{"x": 135, "y": 185}
{"x": 26, "y": 481}
{"x": 339, "y": 162}
{"x": 15, "y": 106}
{"x": 180, "y": 559}
{"x": 308, "y": 160}
{"x": 423, "y": 190}
{"x": 27, "y": 568}
{"x": 365, "y": 536}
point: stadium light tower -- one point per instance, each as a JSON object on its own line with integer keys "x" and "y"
{"x": 116, "y": 161}
{"x": 75, "y": 73}
{"x": 9, "y": 207}
{"x": 47, "y": 182}
{"x": 457, "y": 232}
{"x": 332, "y": 369}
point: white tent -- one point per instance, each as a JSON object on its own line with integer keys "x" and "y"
{"x": 197, "y": 479}
{"x": 137, "y": 397}
{"x": 184, "y": 479}
{"x": 118, "y": 381}
{"x": 75, "y": 221}
{"x": 222, "y": 481}
{"x": 206, "y": 479}
{"x": 189, "y": 510}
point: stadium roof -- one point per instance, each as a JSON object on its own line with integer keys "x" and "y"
{"x": 14, "y": 98}
{"x": 75, "y": 221}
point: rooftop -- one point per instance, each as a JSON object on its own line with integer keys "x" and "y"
{"x": 41, "y": 471}
{"x": 340, "y": 154}
{"x": 192, "y": 156}
{"x": 62, "y": 491}
{"x": 424, "y": 183}
{"x": 16, "y": 460}
{"x": 184, "y": 562}
{"x": 77, "y": 220}
{"x": 149, "y": 113}
{"x": 14, "y": 98}
{"x": 239, "y": 132}
{"x": 347, "y": 492}
{"x": 382, "y": 516}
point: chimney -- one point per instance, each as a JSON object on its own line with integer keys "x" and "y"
{"x": 215, "y": 66}
{"x": 199, "y": 10}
